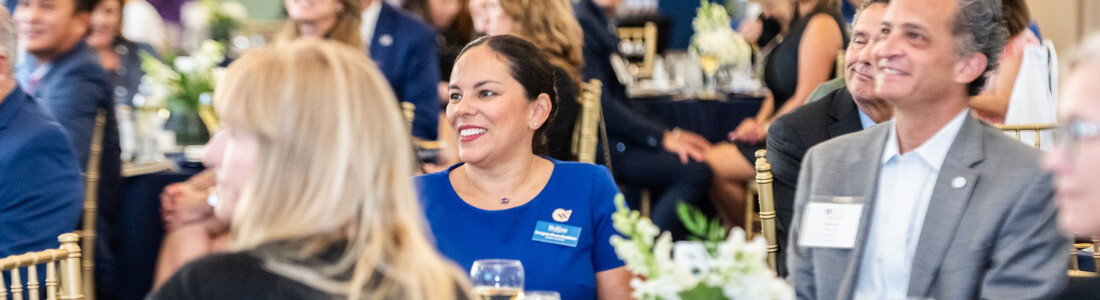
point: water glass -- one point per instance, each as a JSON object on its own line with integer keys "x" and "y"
{"x": 497, "y": 279}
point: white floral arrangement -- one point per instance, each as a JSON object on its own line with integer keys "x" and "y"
{"x": 714, "y": 36}
{"x": 717, "y": 267}
{"x": 179, "y": 85}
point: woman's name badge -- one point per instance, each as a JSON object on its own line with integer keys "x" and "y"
{"x": 830, "y": 225}
{"x": 559, "y": 234}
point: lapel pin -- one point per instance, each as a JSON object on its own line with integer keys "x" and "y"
{"x": 562, "y": 215}
{"x": 958, "y": 182}
{"x": 385, "y": 40}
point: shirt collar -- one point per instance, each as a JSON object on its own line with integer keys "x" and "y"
{"x": 865, "y": 120}
{"x": 369, "y": 21}
{"x": 934, "y": 150}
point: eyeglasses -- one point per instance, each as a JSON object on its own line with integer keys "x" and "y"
{"x": 1071, "y": 132}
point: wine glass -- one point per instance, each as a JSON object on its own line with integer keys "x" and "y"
{"x": 541, "y": 295}
{"x": 710, "y": 64}
{"x": 497, "y": 279}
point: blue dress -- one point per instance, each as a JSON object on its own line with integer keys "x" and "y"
{"x": 465, "y": 233}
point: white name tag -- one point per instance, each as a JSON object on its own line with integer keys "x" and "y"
{"x": 830, "y": 225}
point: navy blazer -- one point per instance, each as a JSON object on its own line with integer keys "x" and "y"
{"x": 41, "y": 195}
{"x": 627, "y": 125}
{"x": 74, "y": 88}
{"x": 405, "y": 50}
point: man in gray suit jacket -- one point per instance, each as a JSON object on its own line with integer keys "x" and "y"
{"x": 934, "y": 204}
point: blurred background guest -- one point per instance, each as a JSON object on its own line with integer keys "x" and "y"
{"x": 550, "y": 25}
{"x": 992, "y": 104}
{"x": 645, "y": 153}
{"x": 1075, "y": 160}
{"x": 307, "y": 221}
{"x": 325, "y": 19}
{"x": 453, "y": 29}
{"x": 502, "y": 97}
{"x": 61, "y": 70}
{"x": 41, "y": 188}
{"x": 813, "y": 33}
{"x": 405, "y": 50}
{"x": 118, "y": 55}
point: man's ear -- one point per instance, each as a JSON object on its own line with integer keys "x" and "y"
{"x": 968, "y": 68}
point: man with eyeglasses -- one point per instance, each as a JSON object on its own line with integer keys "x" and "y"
{"x": 1075, "y": 160}
{"x": 934, "y": 204}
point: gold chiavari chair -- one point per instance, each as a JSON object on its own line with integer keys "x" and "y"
{"x": 67, "y": 256}
{"x": 767, "y": 206}
{"x": 840, "y": 63}
{"x": 646, "y": 36}
{"x": 1036, "y": 128}
{"x": 91, "y": 198}
{"x": 586, "y": 132}
{"x": 408, "y": 111}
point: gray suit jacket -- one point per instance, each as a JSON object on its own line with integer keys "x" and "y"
{"x": 993, "y": 238}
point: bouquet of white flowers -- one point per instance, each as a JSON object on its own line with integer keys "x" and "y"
{"x": 715, "y": 39}
{"x": 714, "y": 267}
{"x": 184, "y": 87}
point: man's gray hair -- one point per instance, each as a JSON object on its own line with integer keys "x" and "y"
{"x": 978, "y": 27}
{"x": 1086, "y": 53}
{"x": 8, "y": 40}
{"x": 864, "y": 6}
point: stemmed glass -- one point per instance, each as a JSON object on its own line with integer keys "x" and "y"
{"x": 497, "y": 279}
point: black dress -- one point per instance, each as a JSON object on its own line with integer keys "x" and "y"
{"x": 781, "y": 65}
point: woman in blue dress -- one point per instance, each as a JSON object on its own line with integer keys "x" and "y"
{"x": 506, "y": 201}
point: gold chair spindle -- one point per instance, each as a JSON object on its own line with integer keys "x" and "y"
{"x": 586, "y": 132}
{"x": 91, "y": 196}
{"x": 767, "y": 206}
{"x": 16, "y": 284}
{"x": 408, "y": 110}
{"x": 32, "y": 279}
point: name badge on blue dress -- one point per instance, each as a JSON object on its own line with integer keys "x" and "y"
{"x": 558, "y": 234}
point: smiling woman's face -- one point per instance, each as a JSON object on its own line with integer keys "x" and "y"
{"x": 489, "y": 109}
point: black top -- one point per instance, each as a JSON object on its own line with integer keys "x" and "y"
{"x": 781, "y": 65}
{"x": 559, "y": 136}
{"x": 244, "y": 275}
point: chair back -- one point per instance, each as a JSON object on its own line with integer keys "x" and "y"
{"x": 587, "y": 130}
{"x": 639, "y": 42}
{"x": 767, "y": 206}
{"x": 1032, "y": 128}
{"x": 67, "y": 258}
{"x": 408, "y": 110}
{"x": 91, "y": 200}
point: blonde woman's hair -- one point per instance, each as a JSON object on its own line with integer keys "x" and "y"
{"x": 346, "y": 29}
{"x": 551, "y": 25}
{"x": 332, "y": 171}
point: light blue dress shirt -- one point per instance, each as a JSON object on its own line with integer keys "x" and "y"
{"x": 905, "y": 185}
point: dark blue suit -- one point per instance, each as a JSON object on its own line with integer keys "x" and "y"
{"x": 637, "y": 156}
{"x": 74, "y": 87}
{"x": 405, "y": 50}
{"x": 41, "y": 193}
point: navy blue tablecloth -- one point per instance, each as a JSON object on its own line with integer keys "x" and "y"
{"x": 141, "y": 230}
{"x": 712, "y": 119}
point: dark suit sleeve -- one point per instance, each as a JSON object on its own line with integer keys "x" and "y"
{"x": 74, "y": 104}
{"x": 42, "y": 192}
{"x": 420, "y": 84}
{"x": 799, "y": 260}
{"x": 785, "y": 151}
{"x": 1027, "y": 261}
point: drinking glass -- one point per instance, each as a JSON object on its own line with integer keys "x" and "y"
{"x": 497, "y": 279}
{"x": 541, "y": 295}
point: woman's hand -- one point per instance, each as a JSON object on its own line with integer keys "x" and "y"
{"x": 750, "y": 131}
{"x": 686, "y": 145}
{"x": 184, "y": 203}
